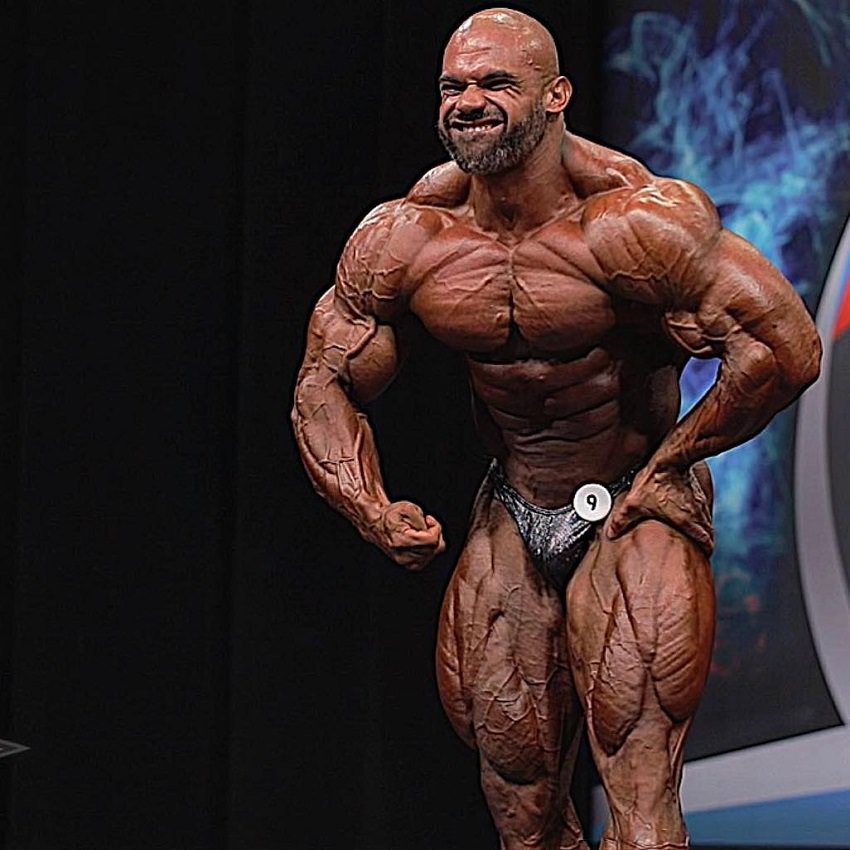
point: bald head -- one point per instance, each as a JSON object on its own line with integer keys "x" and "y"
{"x": 512, "y": 30}
{"x": 501, "y": 93}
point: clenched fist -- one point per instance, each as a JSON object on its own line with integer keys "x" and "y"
{"x": 409, "y": 536}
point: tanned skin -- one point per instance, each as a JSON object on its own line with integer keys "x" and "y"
{"x": 577, "y": 284}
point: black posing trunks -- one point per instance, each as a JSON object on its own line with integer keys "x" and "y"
{"x": 556, "y": 538}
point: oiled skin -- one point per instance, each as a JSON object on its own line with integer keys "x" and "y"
{"x": 575, "y": 335}
{"x": 577, "y": 284}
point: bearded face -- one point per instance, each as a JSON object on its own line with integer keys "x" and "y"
{"x": 480, "y": 142}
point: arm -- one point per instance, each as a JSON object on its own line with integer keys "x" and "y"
{"x": 351, "y": 357}
{"x": 663, "y": 244}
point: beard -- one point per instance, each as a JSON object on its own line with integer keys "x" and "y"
{"x": 491, "y": 156}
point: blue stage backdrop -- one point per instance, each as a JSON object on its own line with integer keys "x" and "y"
{"x": 750, "y": 101}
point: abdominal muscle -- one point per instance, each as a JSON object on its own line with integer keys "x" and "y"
{"x": 557, "y": 423}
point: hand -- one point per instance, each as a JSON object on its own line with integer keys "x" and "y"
{"x": 680, "y": 499}
{"x": 408, "y": 536}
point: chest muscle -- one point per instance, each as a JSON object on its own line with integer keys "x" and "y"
{"x": 474, "y": 294}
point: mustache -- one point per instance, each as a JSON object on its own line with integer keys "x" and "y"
{"x": 472, "y": 116}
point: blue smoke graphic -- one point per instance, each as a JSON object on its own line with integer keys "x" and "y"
{"x": 716, "y": 118}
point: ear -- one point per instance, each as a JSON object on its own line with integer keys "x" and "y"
{"x": 557, "y": 95}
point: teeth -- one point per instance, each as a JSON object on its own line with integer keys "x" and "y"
{"x": 475, "y": 128}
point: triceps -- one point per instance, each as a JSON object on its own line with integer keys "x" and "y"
{"x": 747, "y": 314}
{"x": 743, "y": 312}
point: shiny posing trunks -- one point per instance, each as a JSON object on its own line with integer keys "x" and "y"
{"x": 556, "y": 538}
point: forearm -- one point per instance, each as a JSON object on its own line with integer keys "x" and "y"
{"x": 754, "y": 383}
{"x": 339, "y": 453}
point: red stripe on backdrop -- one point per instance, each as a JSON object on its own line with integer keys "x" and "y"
{"x": 843, "y": 321}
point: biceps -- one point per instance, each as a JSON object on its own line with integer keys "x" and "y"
{"x": 352, "y": 352}
{"x": 374, "y": 365}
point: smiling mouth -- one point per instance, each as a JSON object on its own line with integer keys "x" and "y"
{"x": 476, "y": 128}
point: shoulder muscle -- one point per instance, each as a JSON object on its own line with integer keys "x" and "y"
{"x": 372, "y": 270}
{"x": 646, "y": 239}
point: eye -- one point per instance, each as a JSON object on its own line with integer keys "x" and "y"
{"x": 497, "y": 84}
{"x": 449, "y": 89}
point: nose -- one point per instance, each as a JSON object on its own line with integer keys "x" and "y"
{"x": 471, "y": 99}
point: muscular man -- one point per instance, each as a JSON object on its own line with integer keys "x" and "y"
{"x": 577, "y": 284}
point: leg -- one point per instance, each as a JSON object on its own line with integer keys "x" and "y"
{"x": 506, "y": 684}
{"x": 641, "y": 626}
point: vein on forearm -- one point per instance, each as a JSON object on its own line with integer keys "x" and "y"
{"x": 334, "y": 435}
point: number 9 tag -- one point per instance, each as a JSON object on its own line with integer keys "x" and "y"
{"x": 592, "y": 502}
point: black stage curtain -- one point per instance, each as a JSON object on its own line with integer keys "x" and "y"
{"x": 197, "y": 651}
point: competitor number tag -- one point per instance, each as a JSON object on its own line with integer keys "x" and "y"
{"x": 592, "y": 502}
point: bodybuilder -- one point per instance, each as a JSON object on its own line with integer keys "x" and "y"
{"x": 577, "y": 284}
